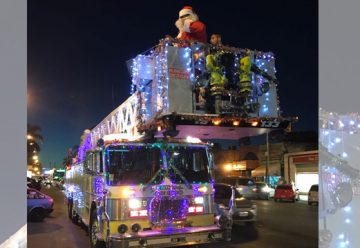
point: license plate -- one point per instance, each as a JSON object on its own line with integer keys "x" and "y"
{"x": 243, "y": 214}
{"x": 283, "y": 196}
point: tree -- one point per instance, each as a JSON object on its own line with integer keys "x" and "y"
{"x": 34, "y": 139}
{"x": 72, "y": 154}
{"x": 33, "y": 132}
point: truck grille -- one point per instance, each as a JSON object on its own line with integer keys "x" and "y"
{"x": 168, "y": 212}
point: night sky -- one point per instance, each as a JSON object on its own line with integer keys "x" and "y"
{"x": 77, "y": 53}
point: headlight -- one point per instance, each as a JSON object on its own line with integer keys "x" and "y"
{"x": 266, "y": 189}
{"x": 202, "y": 189}
{"x": 199, "y": 200}
{"x": 134, "y": 203}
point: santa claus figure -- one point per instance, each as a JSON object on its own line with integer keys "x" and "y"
{"x": 190, "y": 28}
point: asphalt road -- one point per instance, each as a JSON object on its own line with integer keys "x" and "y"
{"x": 279, "y": 224}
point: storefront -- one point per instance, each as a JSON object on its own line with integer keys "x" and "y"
{"x": 240, "y": 168}
{"x": 302, "y": 169}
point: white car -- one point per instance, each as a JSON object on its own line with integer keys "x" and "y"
{"x": 264, "y": 191}
{"x": 313, "y": 196}
{"x": 245, "y": 186}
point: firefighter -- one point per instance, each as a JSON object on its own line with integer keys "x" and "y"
{"x": 245, "y": 76}
{"x": 217, "y": 80}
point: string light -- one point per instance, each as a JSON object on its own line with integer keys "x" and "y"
{"x": 338, "y": 175}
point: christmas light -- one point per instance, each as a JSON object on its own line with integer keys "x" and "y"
{"x": 347, "y": 209}
{"x": 254, "y": 123}
{"x": 216, "y": 122}
{"x": 199, "y": 200}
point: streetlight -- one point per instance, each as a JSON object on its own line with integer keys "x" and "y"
{"x": 228, "y": 167}
{"x": 29, "y": 137}
{"x": 35, "y": 157}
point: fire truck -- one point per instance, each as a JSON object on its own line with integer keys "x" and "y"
{"x": 144, "y": 174}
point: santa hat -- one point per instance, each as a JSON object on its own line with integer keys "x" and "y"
{"x": 187, "y": 10}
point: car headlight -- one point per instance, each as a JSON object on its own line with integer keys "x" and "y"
{"x": 134, "y": 203}
{"x": 266, "y": 189}
{"x": 199, "y": 200}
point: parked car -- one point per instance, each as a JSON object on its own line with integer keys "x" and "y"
{"x": 264, "y": 191}
{"x": 32, "y": 183}
{"x": 244, "y": 211}
{"x": 286, "y": 192}
{"x": 313, "y": 196}
{"x": 39, "y": 205}
{"x": 245, "y": 186}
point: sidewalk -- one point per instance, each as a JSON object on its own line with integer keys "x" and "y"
{"x": 17, "y": 240}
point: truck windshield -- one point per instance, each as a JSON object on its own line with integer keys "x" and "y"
{"x": 126, "y": 165}
{"x": 191, "y": 162}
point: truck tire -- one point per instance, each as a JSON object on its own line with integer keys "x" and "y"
{"x": 93, "y": 229}
{"x": 70, "y": 209}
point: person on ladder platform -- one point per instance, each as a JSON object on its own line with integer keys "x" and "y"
{"x": 190, "y": 28}
{"x": 245, "y": 85}
{"x": 217, "y": 80}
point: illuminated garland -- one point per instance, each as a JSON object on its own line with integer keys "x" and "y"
{"x": 338, "y": 180}
{"x": 349, "y": 123}
{"x": 85, "y": 145}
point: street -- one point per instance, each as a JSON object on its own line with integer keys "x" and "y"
{"x": 280, "y": 224}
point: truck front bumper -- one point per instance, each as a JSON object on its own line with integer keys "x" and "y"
{"x": 170, "y": 238}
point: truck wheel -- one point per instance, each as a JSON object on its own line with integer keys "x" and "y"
{"x": 70, "y": 208}
{"x": 93, "y": 229}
